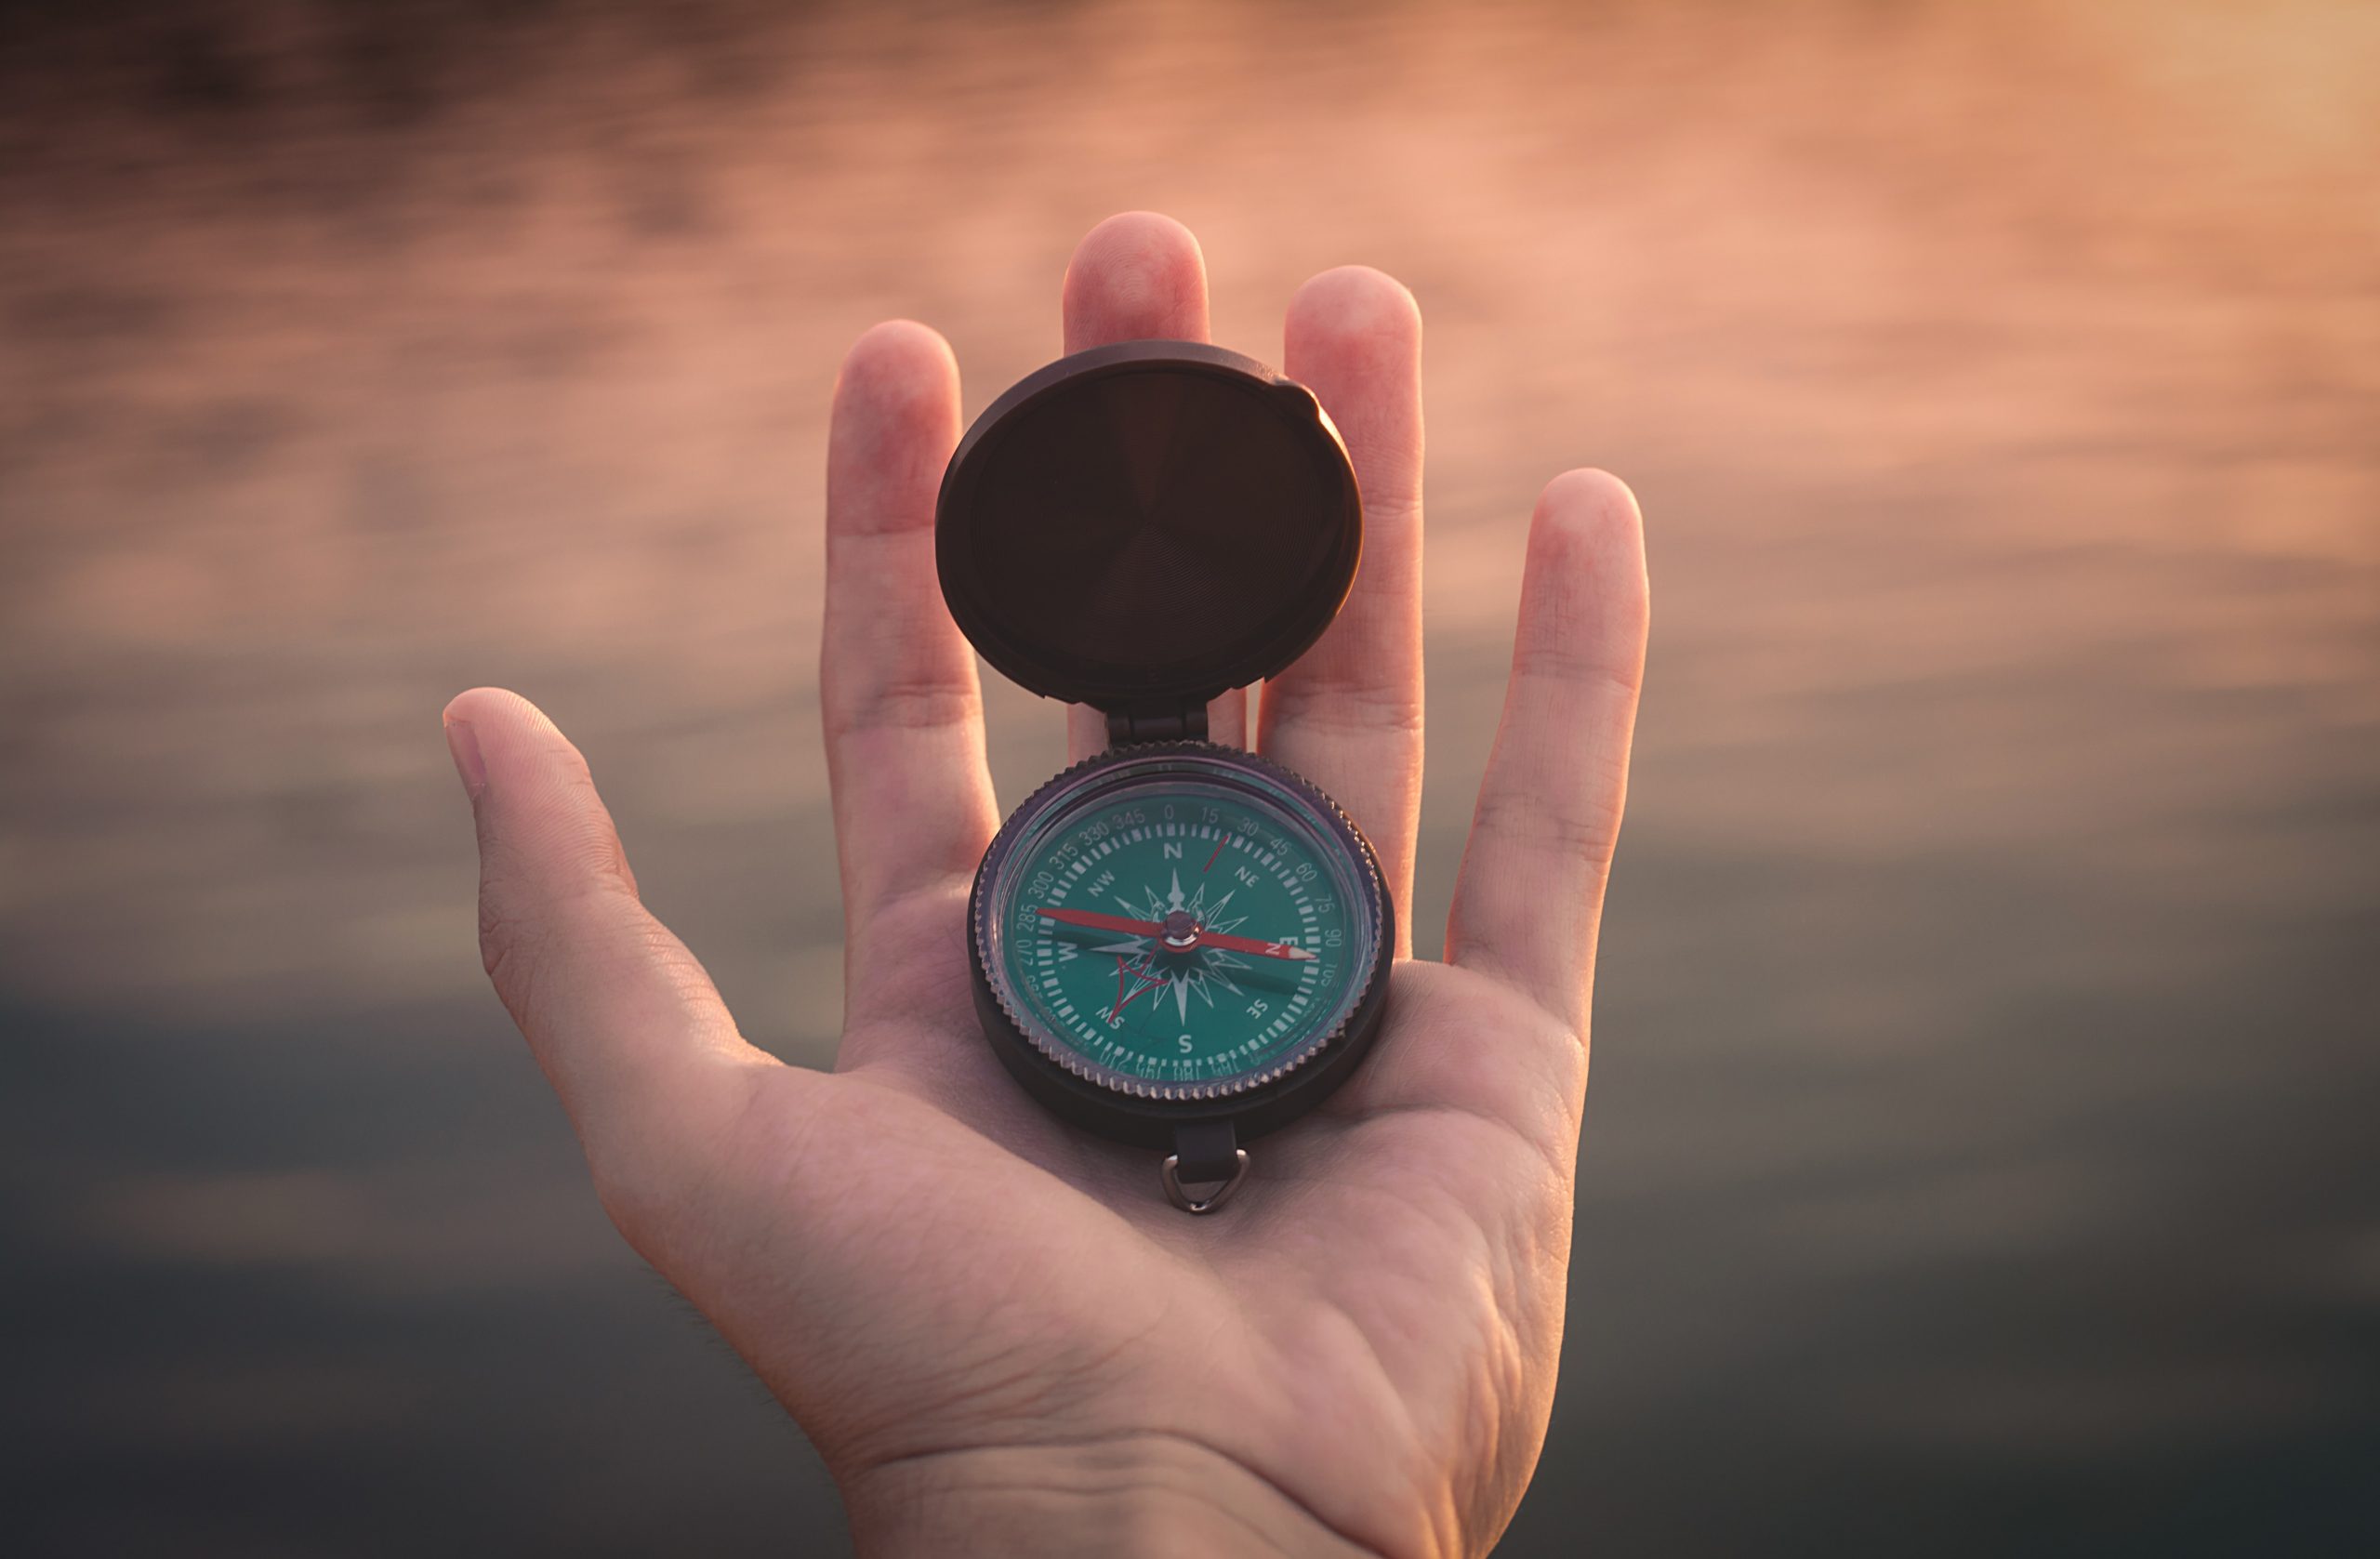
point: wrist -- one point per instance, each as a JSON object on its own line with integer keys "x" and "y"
{"x": 1144, "y": 1496}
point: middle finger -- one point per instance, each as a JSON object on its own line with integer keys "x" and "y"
{"x": 1139, "y": 277}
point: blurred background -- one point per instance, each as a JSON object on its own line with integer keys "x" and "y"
{"x": 1980, "y": 1157}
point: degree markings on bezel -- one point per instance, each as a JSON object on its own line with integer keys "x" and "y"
{"x": 1060, "y": 826}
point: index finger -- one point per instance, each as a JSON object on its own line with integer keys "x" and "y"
{"x": 904, "y": 718}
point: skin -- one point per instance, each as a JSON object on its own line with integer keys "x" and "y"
{"x": 994, "y": 1328}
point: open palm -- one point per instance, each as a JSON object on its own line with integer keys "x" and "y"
{"x": 996, "y": 1330}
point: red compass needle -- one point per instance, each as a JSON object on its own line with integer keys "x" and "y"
{"x": 1200, "y": 937}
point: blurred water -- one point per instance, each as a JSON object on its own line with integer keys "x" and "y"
{"x": 1980, "y": 1154}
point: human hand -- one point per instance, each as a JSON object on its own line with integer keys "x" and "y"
{"x": 995, "y": 1332}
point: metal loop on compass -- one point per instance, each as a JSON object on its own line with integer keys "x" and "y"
{"x": 1214, "y": 1200}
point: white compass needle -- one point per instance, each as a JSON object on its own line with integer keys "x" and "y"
{"x": 1203, "y": 938}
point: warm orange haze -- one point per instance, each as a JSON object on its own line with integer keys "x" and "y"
{"x": 1978, "y": 1154}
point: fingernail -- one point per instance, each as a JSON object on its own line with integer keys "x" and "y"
{"x": 463, "y": 744}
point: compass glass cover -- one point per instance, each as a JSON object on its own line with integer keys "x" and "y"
{"x": 1183, "y": 935}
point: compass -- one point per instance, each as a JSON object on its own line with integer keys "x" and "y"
{"x": 1176, "y": 944}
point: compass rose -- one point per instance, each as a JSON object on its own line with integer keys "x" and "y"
{"x": 1179, "y": 941}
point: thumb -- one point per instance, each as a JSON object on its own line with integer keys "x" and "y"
{"x": 621, "y": 1017}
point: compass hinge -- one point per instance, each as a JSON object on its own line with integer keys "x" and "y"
{"x": 1128, "y": 728}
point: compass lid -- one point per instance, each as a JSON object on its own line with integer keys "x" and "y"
{"x": 1142, "y": 526}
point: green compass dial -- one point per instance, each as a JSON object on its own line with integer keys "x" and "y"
{"x": 1181, "y": 934}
